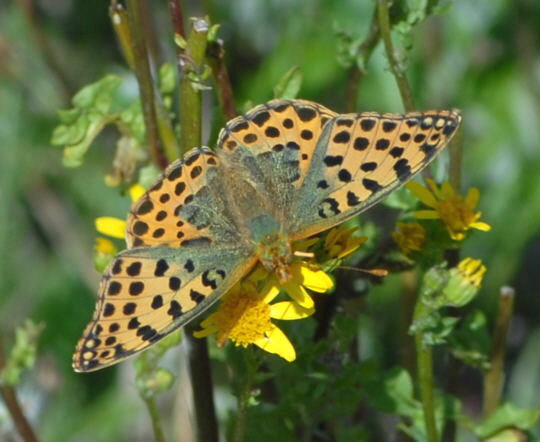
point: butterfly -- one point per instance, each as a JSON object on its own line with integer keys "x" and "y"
{"x": 284, "y": 171}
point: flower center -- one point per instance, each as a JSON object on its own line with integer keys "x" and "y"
{"x": 455, "y": 213}
{"x": 242, "y": 318}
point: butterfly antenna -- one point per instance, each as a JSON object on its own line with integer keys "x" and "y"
{"x": 379, "y": 273}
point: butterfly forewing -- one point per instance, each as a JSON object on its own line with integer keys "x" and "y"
{"x": 360, "y": 158}
{"x": 146, "y": 293}
{"x": 186, "y": 205}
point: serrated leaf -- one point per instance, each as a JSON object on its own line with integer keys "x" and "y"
{"x": 91, "y": 112}
{"x": 289, "y": 85}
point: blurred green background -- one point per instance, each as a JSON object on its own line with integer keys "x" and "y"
{"x": 480, "y": 56}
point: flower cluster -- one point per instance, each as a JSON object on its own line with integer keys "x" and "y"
{"x": 456, "y": 213}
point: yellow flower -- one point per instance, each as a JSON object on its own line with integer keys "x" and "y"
{"x": 111, "y": 226}
{"x": 304, "y": 276}
{"x": 136, "y": 191}
{"x": 245, "y": 317}
{"x": 457, "y": 213}
{"x": 104, "y": 253}
{"x": 410, "y": 237}
{"x": 105, "y": 246}
{"x": 472, "y": 270}
{"x": 116, "y": 227}
{"x": 339, "y": 241}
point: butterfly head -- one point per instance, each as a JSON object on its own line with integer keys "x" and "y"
{"x": 274, "y": 253}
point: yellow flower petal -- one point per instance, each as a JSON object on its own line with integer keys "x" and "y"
{"x": 269, "y": 292}
{"x": 205, "y": 332}
{"x": 480, "y": 225}
{"x": 426, "y": 214}
{"x": 108, "y": 225}
{"x": 305, "y": 244}
{"x": 315, "y": 280}
{"x": 299, "y": 294}
{"x": 472, "y": 198}
{"x": 447, "y": 191}
{"x": 277, "y": 342}
{"x": 289, "y": 310}
{"x": 136, "y": 191}
{"x": 105, "y": 245}
{"x": 422, "y": 193}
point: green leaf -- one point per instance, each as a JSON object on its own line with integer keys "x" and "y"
{"x": 289, "y": 85}
{"x": 507, "y": 416}
{"x": 392, "y": 392}
{"x": 471, "y": 341}
{"x": 91, "y": 112}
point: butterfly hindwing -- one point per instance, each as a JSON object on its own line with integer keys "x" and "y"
{"x": 360, "y": 158}
{"x": 146, "y": 293}
{"x": 186, "y": 205}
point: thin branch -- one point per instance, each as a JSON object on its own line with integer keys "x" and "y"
{"x": 146, "y": 84}
{"x": 494, "y": 377}
{"x": 425, "y": 379}
{"x": 150, "y": 402}
{"x": 202, "y": 386}
{"x": 14, "y": 408}
{"x": 395, "y": 66}
{"x": 363, "y": 52}
{"x": 456, "y": 159}
{"x": 47, "y": 52}
{"x": 216, "y": 56}
{"x": 244, "y": 395}
{"x": 191, "y": 64}
{"x": 177, "y": 17}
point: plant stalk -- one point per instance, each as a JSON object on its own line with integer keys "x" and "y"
{"x": 356, "y": 74}
{"x": 151, "y": 405}
{"x": 425, "y": 379}
{"x": 494, "y": 377}
{"x": 202, "y": 386}
{"x": 216, "y": 56}
{"x": 395, "y": 67}
{"x": 191, "y": 67}
{"x": 12, "y": 404}
{"x": 145, "y": 81}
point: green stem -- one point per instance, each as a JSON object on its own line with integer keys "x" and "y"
{"x": 202, "y": 386}
{"x": 145, "y": 81}
{"x": 425, "y": 379}
{"x": 409, "y": 286}
{"x": 14, "y": 408}
{"x": 151, "y": 405}
{"x": 356, "y": 74}
{"x": 456, "y": 159}
{"x": 244, "y": 395}
{"x": 397, "y": 71}
{"x": 494, "y": 377}
{"x": 191, "y": 64}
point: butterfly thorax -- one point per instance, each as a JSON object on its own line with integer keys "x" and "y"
{"x": 274, "y": 253}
